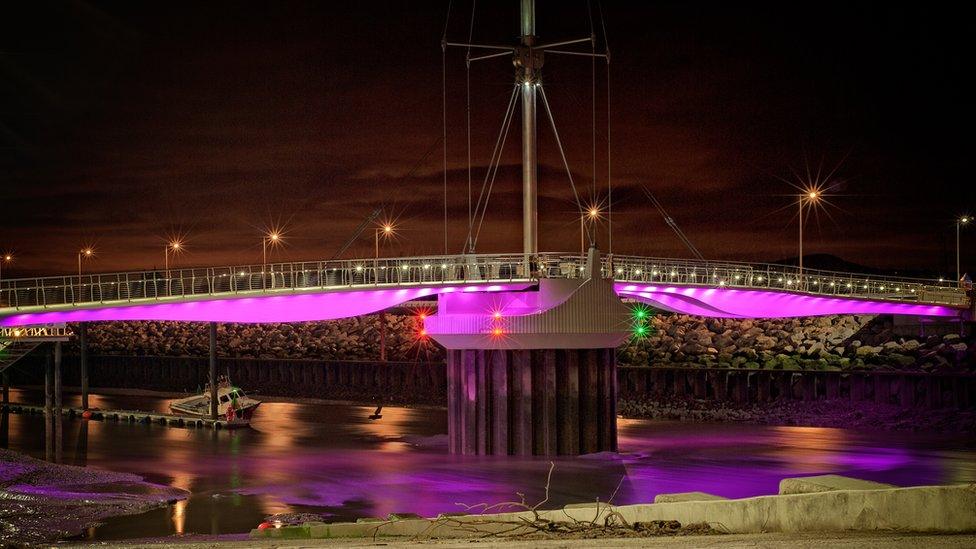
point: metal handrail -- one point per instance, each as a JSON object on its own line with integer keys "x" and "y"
{"x": 142, "y": 286}
{"x": 785, "y": 278}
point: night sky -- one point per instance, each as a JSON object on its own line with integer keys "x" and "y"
{"x": 124, "y": 123}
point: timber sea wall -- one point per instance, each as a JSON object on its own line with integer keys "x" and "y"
{"x": 426, "y": 382}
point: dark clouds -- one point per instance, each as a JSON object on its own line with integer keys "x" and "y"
{"x": 124, "y": 122}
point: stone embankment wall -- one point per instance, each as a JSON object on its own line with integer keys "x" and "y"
{"x": 355, "y": 338}
{"x": 831, "y": 343}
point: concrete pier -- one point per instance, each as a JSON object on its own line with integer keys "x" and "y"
{"x": 533, "y": 373}
{"x": 83, "y": 362}
{"x": 532, "y": 402}
{"x": 58, "y": 393}
{"x": 213, "y": 370}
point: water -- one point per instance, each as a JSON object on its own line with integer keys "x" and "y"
{"x": 331, "y": 459}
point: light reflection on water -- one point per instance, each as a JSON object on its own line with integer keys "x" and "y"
{"x": 332, "y": 459}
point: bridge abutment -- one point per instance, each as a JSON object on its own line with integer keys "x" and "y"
{"x": 531, "y": 402}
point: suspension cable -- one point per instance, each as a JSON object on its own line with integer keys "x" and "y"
{"x": 562, "y": 153}
{"x": 495, "y": 153}
{"x": 589, "y": 15}
{"x": 447, "y": 21}
{"x": 606, "y": 51}
{"x": 498, "y": 161}
{"x": 467, "y": 84}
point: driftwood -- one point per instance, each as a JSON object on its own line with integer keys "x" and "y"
{"x": 483, "y": 520}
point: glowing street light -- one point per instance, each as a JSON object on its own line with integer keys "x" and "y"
{"x": 964, "y": 220}
{"x": 387, "y": 229}
{"x": 591, "y": 215}
{"x": 272, "y": 238}
{"x": 86, "y": 253}
{"x": 7, "y": 258}
{"x": 175, "y": 246}
{"x": 812, "y": 196}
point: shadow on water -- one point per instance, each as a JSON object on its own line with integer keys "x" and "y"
{"x": 333, "y": 460}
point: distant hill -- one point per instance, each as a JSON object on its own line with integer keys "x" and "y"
{"x": 828, "y": 262}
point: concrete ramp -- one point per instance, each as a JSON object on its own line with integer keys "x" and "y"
{"x": 827, "y": 483}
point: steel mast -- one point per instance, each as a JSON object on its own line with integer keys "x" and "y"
{"x": 528, "y": 64}
{"x": 528, "y": 57}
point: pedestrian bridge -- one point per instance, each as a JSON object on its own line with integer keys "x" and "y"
{"x": 325, "y": 290}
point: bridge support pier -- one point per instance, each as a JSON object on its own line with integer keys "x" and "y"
{"x": 83, "y": 363}
{"x": 532, "y": 402}
{"x": 58, "y": 393}
{"x": 213, "y": 370}
{"x": 48, "y": 381}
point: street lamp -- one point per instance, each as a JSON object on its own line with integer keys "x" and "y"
{"x": 7, "y": 258}
{"x": 387, "y": 230}
{"x": 591, "y": 215}
{"x": 176, "y": 247}
{"x": 812, "y": 196}
{"x": 273, "y": 238}
{"x": 86, "y": 253}
{"x": 964, "y": 220}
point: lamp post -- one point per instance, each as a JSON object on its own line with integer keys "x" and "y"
{"x": 175, "y": 246}
{"x": 591, "y": 215}
{"x": 7, "y": 258}
{"x": 386, "y": 230}
{"x": 273, "y": 238}
{"x": 811, "y": 197}
{"x": 85, "y": 253}
{"x": 964, "y": 220}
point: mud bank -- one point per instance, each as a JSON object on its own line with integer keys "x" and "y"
{"x": 841, "y": 413}
{"x": 45, "y": 502}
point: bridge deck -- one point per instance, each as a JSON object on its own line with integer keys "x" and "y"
{"x": 66, "y": 293}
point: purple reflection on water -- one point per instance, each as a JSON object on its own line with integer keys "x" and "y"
{"x": 331, "y": 459}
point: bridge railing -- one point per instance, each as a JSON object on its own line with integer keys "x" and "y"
{"x": 785, "y": 278}
{"x": 278, "y": 277}
{"x": 273, "y": 277}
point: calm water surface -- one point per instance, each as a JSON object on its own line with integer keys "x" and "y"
{"x": 333, "y": 460}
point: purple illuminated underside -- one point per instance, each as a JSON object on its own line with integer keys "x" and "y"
{"x": 266, "y": 308}
{"x": 710, "y": 302}
{"x": 739, "y": 303}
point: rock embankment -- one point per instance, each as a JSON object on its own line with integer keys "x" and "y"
{"x": 815, "y": 343}
{"x": 820, "y": 343}
{"x": 355, "y": 338}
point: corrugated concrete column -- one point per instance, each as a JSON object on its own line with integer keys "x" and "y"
{"x": 568, "y": 404}
{"x": 531, "y": 402}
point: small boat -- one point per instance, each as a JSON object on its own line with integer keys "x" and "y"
{"x": 232, "y": 404}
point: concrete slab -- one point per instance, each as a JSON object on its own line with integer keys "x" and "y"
{"x": 827, "y": 483}
{"x": 686, "y": 496}
{"x": 923, "y": 509}
{"x": 945, "y": 509}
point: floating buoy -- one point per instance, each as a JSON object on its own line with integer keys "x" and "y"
{"x": 264, "y": 525}
{"x": 86, "y": 414}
